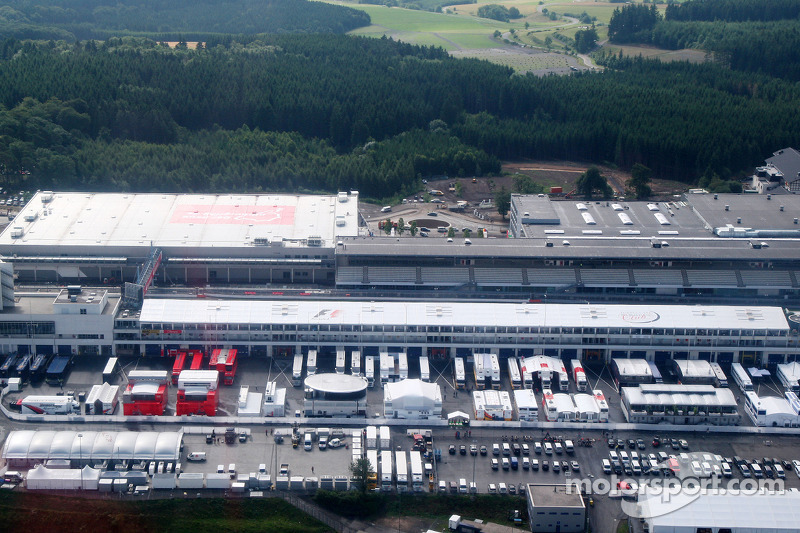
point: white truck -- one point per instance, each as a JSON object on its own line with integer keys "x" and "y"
{"x": 386, "y": 471}
{"x": 48, "y": 405}
{"x": 323, "y": 436}
{"x": 402, "y": 471}
{"x": 416, "y": 471}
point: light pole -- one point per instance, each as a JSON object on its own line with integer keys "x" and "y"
{"x": 474, "y": 460}
{"x": 80, "y": 462}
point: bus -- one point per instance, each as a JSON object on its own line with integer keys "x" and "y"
{"x": 741, "y": 378}
{"x": 720, "y": 379}
{"x": 579, "y": 375}
{"x": 513, "y": 374}
{"x": 311, "y": 364}
{"x": 424, "y": 369}
{"x": 297, "y": 370}
{"x": 494, "y": 368}
{"x": 369, "y": 370}
{"x": 341, "y": 360}
{"x": 355, "y": 363}
{"x": 460, "y": 374}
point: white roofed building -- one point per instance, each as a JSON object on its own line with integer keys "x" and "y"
{"x": 680, "y": 404}
{"x": 412, "y": 399}
{"x": 527, "y": 406}
{"x": 694, "y": 371}
{"x": 732, "y": 511}
{"x": 492, "y": 405}
{"x": 773, "y": 411}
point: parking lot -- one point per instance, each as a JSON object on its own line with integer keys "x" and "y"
{"x": 260, "y": 447}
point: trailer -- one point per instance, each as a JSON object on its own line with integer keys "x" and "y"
{"x": 494, "y": 367}
{"x": 38, "y": 366}
{"x": 48, "y": 405}
{"x": 424, "y": 369}
{"x": 311, "y": 363}
{"x": 387, "y": 473}
{"x": 355, "y": 363}
{"x": 341, "y": 360}
{"x": 59, "y": 369}
{"x": 402, "y": 471}
{"x": 480, "y": 369}
{"x": 527, "y": 375}
{"x": 369, "y": 370}
{"x": 579, "y": 375}
{"x": 402, "y": 366}
{"x": 416, "y": 471}
{"x": 297, "y": 370}
{"x": 372, "y": 437}
{"x": 385, "y": 437}
{"x": 514, "y": 376}
{"x": 386, "y": 368}
{"x": 197, "y": 361}
{"x": 102, "y": 399}
{"x": 8, "y": 366}
{"x": 23, "y": 367}
{"x": 372, "y": 477}
{"x": 110, "y": 370}
{"x": 178, "y": 364}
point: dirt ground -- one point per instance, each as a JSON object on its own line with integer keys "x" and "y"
{"x": 562, "y": 174}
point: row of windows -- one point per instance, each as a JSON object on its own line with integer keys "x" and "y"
{"x": 472, "y": 329}
{"x": 14, "y": 329}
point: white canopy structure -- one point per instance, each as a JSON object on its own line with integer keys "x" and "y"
{"x": 412, "y": 398}
{"x": 738, "y": 513}
{"x": 91, "y": 446}
{"x": 41, "y": 478}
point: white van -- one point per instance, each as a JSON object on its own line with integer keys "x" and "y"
{"x": 232, "y": 470}
{"x": 506, "y": 449}
{"x": 548, "y": 448}
{"x": 636, "y": 468}
{"x": 462, "y": 486}
{"x": 606, "y": 466}
{"x": 559, "y": 449}
{"x": 758, "y": 472}
{"x": 569, "y": 447}
{"x": 386, "y": 209}
{"x": 307, "y": 443}
{"x": 502, "y": 489}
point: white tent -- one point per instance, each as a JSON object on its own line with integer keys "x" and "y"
{"x": 41, "y": 478}
{"x": 458, "y": 418}
{"x": 412, "y": 398}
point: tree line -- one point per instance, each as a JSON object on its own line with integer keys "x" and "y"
{"x": 329, "y": 112}
{"x": 99, "y": 19}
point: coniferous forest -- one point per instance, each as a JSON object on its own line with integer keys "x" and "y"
{"x": 327, "y": 112}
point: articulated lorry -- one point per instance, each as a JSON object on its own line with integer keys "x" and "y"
{"x": 48, "y": 405}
